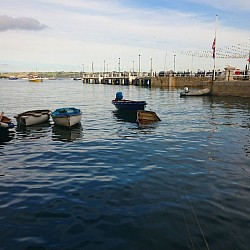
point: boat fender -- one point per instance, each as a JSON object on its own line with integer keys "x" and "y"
{"x": 11, "y": 125}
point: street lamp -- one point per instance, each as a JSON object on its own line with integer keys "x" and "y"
{"x": 174, "y": 63}
{"x": 151, "y": 68}
{"x": 119, "y": 65}
{"x": 139, "y": 64}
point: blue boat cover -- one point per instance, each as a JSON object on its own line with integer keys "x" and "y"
{"x": 66, "y": 112}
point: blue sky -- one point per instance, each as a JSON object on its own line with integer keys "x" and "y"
{"x": 62, "y": 35}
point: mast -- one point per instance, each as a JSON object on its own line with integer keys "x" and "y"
{"x": 214, "y": 47}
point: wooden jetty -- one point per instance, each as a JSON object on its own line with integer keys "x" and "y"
{"x": 118, "y": 78}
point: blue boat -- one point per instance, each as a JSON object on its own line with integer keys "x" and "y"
{"x": 123, "y": 104}
{"x": 66, "y": 117}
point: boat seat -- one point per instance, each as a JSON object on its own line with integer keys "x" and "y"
{"x": 62, "y": 111}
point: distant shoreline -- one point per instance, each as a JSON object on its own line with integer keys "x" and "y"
{"x": 60, "y": 74}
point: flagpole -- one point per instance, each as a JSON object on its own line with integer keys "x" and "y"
{"x": 215, "y": 43}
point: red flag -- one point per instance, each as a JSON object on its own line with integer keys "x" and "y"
{"x": 213, "y": 47}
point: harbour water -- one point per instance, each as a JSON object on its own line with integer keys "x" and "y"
{"x": 182, "y": 183}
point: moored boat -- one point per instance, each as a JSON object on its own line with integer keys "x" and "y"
{"x": 199, "y": 92}
{"x": 13, "y": 78}
{"x": 35, "y": 78}
{"x": 5, "y": 122}
{"x": 33, "y": 117}
{"x": 145, "y": 117}
{"x": 66, "y": 117}
{"x": 123, "y": 104}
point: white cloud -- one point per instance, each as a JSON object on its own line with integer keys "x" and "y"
{"x": 21, "y": 23}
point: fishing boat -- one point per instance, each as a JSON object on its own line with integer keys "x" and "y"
{"x": 199, "y": 92}
{"x": 5, "y": 122}
{"x": 123, "y": 104}
{"x": 145, "y": 117}
{"x": 66, "y": 117}
{"x": 33, "y": 117}
{"x": 35, "y": 78}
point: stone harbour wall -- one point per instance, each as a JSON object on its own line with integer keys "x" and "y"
{"x": 234, "y": 88}
{"x": 219, "y": 88}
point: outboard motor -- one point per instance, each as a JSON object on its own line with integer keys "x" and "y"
{"x": 119, "y": 96}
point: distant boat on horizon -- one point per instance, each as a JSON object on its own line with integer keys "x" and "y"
{"x": 13, "y": 78}
{"x": 35, "y": 78}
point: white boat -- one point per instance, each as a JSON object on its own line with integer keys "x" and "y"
{"x": 66, "y": 117}
{"x": 199, "y": 92}
{"x": 33, "y": 117}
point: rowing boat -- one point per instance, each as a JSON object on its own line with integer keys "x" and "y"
{"x": 33, "y": 117}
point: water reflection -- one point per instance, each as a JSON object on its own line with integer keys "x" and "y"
{"x": 67, "y": 134}
{"x": 5, "y": 136}
{"x": 125, "y": 115}
{"x": 35, "y": 131}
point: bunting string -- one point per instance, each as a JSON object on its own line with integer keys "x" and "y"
{"x": 238, "y": 51}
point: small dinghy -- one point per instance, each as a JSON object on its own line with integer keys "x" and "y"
{"x": 199, "y": 92}
{"x": 66, "y": 117}
{"x": 33, "y": 117}
{"x": 123, "y": 104}
{"x": 145, "y": 117}
{"x": 5, "y": 122}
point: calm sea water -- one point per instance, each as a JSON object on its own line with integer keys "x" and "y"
{"x": 109, "y": 184}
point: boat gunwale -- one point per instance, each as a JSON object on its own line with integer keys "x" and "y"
{"x": 33, "y": 113}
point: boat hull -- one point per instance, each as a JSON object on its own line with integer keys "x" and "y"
{"x": 33, "y": 117}
{"x": 145, "y": 117}
{"x": 129, "y": 105}
{"x": 36, "y": 80}
{"x": 67, "y": 121}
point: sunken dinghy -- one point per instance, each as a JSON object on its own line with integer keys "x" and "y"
{"x": 146, "y": 117}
